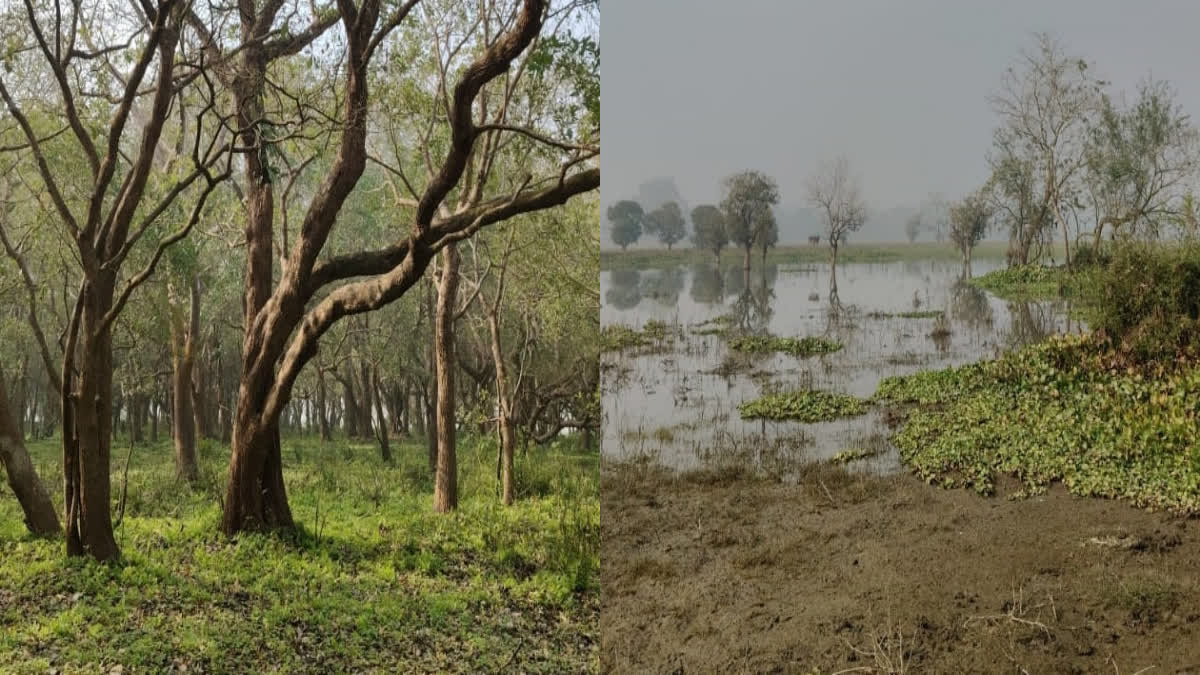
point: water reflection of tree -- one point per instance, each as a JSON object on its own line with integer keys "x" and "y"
{"x": 663, "y": 285}
{"x": 625, "y": 291}
{"x": 708, "y": 286}
{"x": 752, "y": 310}
{"x": 969, "y": 304}
{"x": 1030, "y": 322}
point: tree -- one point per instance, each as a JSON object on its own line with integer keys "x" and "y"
{"x": 105, "y": 220}
{"x": 768, "y": 233}
{"x": 1044, "y": 104}
{"x": 667, "y": 223}
{"x": 626, "y": 218}
{"x": 969, "y": 220}
{"x": 40, "y": 515}
{"x": 912, "y": 227}
{"x": 1138, "y": 159}
{"x": 287, "y": 314}
{"x": 708, "y": 229}
{"x": 748, "y": 195}
{"x": 838, "y": 194}
{"x": 1012, "y": 190}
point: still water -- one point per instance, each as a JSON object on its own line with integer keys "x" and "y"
{"x": 679, "y": 406}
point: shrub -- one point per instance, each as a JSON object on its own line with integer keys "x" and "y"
{"x": 1147, "y": 300}
{"x": 1087, "y": 254}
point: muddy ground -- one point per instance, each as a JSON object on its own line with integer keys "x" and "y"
{"x": 709, "y": 573}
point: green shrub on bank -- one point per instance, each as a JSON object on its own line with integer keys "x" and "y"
{"x": 1146, "y": 301}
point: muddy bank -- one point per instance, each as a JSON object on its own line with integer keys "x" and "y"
{"x": 858, "y": 573}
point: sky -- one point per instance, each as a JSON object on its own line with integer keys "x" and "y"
{"x": 698, "y": 89}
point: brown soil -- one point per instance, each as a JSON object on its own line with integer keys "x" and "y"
{"x": 844, "y": 573}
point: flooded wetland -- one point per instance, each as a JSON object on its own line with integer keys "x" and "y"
{"x": 725, "y": 342}
{"x": 758, "y": 517}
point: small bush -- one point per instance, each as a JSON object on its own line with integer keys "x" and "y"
{"x": 1147, "y": 300}
{"x": 1088, "y": 254}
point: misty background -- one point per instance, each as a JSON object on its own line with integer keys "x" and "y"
{"x": 695, "y": 90}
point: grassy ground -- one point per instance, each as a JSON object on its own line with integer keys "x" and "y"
{"x": 374, "y": 582}
{"x": 655, "y": 257}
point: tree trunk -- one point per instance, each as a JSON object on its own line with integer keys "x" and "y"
{"x": 322, "y": 415}
{"x": 366, "y": 424}
{"x": 153, "y": 420}
{"x": 381, "y": 429}
{"x": 183, "y": 353}
{"x": 445, "y": 489}
{"x": 256, "y": 499}
{"x": 507, "y": 435}
{"x": 431, "y": 384}
{"x": 350, "y": 399}
{"x": 87, "y": 426}
{"x": 746, "y": 260}
{"x": 40, "y": 515}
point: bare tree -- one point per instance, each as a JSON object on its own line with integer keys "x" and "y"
{"x": 838, "y": 194}
{"x": 1044, "y": 104}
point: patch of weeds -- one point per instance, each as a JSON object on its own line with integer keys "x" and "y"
{"x": 806, "y": 346}
{"x": 803, "y": 406}
{"x": 1025, "y": 282}
{"x": 734, "y": 363}
{"x": 916, "y": 314}
{"x": 619, "y": 337}
{"x": 718, "y": 325}
{"x": 852, "y": 455}
{"x": 941, "y": 328}
{"x": 1148, "y": 596}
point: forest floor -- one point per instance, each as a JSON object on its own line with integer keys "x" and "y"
{"x": 373, "y": 582}
{"x": 847, "y": 572}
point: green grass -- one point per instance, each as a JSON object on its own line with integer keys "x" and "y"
{"x": 802, "y": 406}
{"x": 856, "y": 253}
{"x": 807, "y": 346}
{"x": 1057, "y": 411}
{"x": 373, "y": 582}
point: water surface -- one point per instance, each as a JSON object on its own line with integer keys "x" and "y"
{"x": 680, "y": 408}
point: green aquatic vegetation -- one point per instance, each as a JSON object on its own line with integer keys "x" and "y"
{"x": 718, "y": 325}
{"x": 916, "y": 314}
{"x": 1053, "y": 412}
{"x": 1033, "y": 282}
{"x": 806, "y": 346}
{"x": 853, "y": 454}
{"x": 619, "y": 337}
{"x": 929, "y": 386}
{"x": 802, "y": 406}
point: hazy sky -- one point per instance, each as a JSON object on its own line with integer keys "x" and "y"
{"x": 697, "y": 89}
